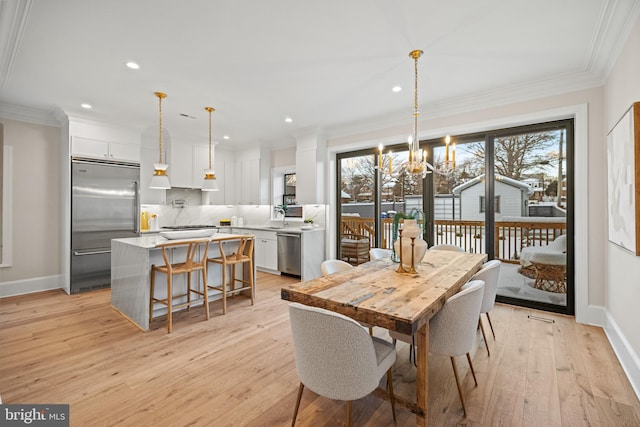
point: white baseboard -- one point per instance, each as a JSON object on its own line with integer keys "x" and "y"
{"x": 594, "y": 315}
{"x": 28, "y": 286}
{"x": 626, "y": 355}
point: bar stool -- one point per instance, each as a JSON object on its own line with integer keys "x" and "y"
{"x": 189, "y": 265}
{"x": 243, "y": 254}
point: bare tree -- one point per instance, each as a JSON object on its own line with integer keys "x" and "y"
{"x": 516, "y": 155}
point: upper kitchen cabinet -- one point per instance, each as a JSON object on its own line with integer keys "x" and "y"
{"x": 188, "y": 163}
{"x": 310, "y": 168}
{"x": 181, "y": 166}
{"x": 104, "y": 150}
{"x": 103, "y": 142}
{"x": 253, "y": 176}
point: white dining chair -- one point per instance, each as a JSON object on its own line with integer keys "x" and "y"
{"x": 379, "y": 253}
{"x": 489, "y": 274}
{"x": 444, "y": 247}
{"x": 331, "y": 266}
{"x": 335, "y": 357}
{"x": 452, "y": 330}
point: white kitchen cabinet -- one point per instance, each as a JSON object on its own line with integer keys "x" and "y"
{"x": 253, "y": 176}
{"x": 250, "y": 182}
{"x": 105, "y": 150}
{"x": 266, "y": 253}
{"x": 187, "y": 166}
{"x": 310, "y": 176}
{"x": 265, "y": 247}
{"x": 181, "y": 166}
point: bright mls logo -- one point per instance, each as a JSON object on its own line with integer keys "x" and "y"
{"x": 34, "y": 415}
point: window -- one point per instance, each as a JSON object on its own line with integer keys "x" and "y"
{"x": 496, "y": 204}
{"x": 289, "y": 191}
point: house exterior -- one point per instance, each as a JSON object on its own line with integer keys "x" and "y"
{"x": 511, "y": 198}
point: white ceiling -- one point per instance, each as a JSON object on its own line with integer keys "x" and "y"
{"x": 330, "y": 65}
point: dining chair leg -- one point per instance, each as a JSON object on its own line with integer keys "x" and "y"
{"x": 392, "y": 397}
{"x": 295, "y": 411}
{"x": 455, "y": 373}
{"x": 413, "y": 352}
{"x": 486, "y": 344}
{"x": 473, "y": 372}
{"x": 348, "y": 413}
{"x": 491, "y": 324}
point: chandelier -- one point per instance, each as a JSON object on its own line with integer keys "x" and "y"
{"x": 160, "y": 180}
{"x": 210, "y": 183}
{"x": 417, "y": 164}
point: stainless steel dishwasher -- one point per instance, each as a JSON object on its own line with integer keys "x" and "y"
{"x": 289, "y": 253}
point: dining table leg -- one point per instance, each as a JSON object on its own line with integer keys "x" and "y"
{"x": 422, "y": 375}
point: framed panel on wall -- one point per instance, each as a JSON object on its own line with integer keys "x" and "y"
{"x": 623, "y": 161}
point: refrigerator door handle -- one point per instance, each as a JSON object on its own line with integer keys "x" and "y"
{"x": 92, "y": 252}
{"x": 136, "y": 208}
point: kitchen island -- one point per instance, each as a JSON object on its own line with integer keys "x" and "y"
{"x": 131, "y": 261}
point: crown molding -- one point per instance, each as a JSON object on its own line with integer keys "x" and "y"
{"x": 13, "y": 16}
{"x": 609, "y": 54}
{"x": 32, "y": 115}
{"x": 516, "y": 93}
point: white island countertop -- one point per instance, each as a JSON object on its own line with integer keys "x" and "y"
{"x": 153, "y": 240}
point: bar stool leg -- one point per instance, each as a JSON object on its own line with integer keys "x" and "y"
{"x": 224, "y": 289}
{"x": 233, "y": 280}
{"x": 205, "y": 290}
{"x": 189, "y": 291}
{"x": 252, "y": 282}
{"x": 169, "y": 302}
{"x": 151, "y": 291}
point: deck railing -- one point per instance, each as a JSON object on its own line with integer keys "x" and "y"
{"x": 510, "y": 236}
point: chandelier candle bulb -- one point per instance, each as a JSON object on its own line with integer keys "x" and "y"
{"x": 380, "y": 157}
{"x": 446, "y": 143}
{"x": 453, "y": 156}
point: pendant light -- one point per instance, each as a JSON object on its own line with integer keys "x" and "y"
{"x": 210, "y": 183}
{"x": 160, "y": 180}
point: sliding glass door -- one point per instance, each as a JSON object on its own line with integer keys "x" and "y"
{"x": 533, "y": 215}
{"x": 506, "y": 193}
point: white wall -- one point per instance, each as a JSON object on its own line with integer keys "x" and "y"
{"x": 622, "y": 287}
{"x": 36, "y": 204}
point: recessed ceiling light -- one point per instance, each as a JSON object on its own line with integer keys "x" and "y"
{"x": 396, "y": 89}
{"x": 288, "y": 119}
{"x": 133, "y": 65}
{"x": 87, "y": 106}
{"x": 226, "y": 137}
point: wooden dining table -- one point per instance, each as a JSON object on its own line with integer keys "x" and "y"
{"x": 376, "y": 294}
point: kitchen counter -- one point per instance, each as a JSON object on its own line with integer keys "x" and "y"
{"x": 312, "y": 248}
{"x": 131, "y": 261}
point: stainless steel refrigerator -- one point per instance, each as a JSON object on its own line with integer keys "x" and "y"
{"x": 104, "y": 205}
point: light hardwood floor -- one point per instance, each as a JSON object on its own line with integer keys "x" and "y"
{"x": 238, "y": 369}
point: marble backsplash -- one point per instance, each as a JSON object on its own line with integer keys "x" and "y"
{"x": 195, "y": 212}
